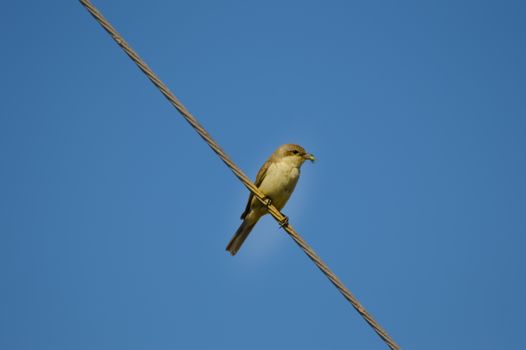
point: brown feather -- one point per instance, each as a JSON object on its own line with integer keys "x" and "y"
{"x": 259, "y": 179}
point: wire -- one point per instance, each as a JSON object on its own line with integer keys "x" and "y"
{"x": 238, "y": 173}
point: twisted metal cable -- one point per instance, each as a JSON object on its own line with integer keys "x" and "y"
{"x": 238, "y": 173}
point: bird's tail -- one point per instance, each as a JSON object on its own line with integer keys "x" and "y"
{"x": 240, "y": 236}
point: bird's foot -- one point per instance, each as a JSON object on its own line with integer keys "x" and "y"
{"x": 268, "y": 202}
{"x": 284, "y": 222}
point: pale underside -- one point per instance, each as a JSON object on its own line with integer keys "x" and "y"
{"x": 277, "y": 181}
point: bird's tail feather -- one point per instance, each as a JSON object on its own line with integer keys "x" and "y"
{"x": 240, "y": 236}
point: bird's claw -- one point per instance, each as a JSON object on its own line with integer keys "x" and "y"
{"x": 284, "y": 222}
{"x": 268, "y": 202}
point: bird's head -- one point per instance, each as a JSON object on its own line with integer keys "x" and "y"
{"x": 294, "y": 153}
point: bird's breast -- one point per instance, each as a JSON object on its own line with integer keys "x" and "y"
{"x": 279, "y": 182}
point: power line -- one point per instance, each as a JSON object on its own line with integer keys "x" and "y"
{"x": 238, "y": 173}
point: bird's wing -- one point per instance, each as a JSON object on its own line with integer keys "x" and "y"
{"x": 259, "y": 179}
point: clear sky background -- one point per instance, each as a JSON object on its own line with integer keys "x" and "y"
{"x": 114, "y": 215}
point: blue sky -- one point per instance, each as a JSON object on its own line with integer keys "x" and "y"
{"x": 114, "y": 215}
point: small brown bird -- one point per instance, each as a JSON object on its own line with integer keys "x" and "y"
{"x": 277, "y": 179}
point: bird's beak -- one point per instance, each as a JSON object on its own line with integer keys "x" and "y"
{"x": 310, "y": 157}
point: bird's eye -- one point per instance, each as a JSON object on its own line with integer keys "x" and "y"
{"x": 295, "y": 151}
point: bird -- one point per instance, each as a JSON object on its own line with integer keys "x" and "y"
{"x": 277, "y": 179}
